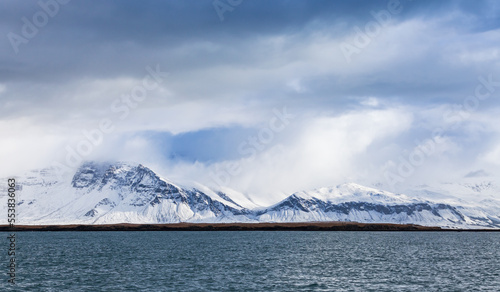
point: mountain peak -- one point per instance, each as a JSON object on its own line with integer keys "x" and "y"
{"x": 123, "y": 192}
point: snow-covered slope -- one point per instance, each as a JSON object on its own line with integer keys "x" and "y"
{"x": 100, "y": 193}
{"x": 352, "y": 202}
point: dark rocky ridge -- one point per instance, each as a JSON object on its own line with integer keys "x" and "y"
{"x": 306, "y": 226}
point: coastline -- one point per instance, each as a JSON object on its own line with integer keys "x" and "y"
{"x": 304, "y": 226}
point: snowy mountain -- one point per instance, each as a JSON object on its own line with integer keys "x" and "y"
{"x": 104, "y": 193}
{"x": 116, "y": 193}
{"x": 352, "y": 202}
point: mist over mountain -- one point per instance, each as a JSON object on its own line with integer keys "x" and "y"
{"x": 111, "y": 193}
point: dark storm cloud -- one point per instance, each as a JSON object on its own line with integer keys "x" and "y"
{"x": 115, "y": 37}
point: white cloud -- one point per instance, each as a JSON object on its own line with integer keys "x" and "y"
{"x": 425, "y": 64}
{"x": 321, "y": 151}
{"x": 25, "y": 146}
{"x": 370, "y": 101}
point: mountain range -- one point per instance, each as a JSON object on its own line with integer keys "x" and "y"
{"x": 109, "y": 193}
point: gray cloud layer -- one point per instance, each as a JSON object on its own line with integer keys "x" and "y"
{"x": 418, "y": 68}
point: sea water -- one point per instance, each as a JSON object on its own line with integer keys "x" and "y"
{"x": 253, "y": 261}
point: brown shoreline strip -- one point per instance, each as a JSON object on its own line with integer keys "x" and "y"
{"x": 308, "y": 226}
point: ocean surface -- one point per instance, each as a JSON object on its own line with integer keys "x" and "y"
{"x": 254, "y": 261}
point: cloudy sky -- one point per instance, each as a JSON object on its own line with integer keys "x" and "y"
{"x": 260, "y": 96}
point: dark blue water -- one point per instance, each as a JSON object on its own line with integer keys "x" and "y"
{"x": 255, "y": 261}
